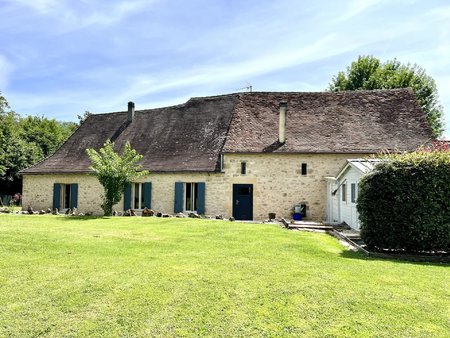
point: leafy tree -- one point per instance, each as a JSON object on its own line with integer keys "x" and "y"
{"x": 3, "y": 104}
{"x": 369, "y": 73}
{"x": 15, "y": 153}
{"x": 82, "y": 118}
{"x": 115, "y": 171}
{"x": 25, "y": 141}
{"x": 47, "y": 134}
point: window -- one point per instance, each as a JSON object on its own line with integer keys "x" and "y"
{"x": 304, "y": 169}
{"x": 243, "y": 168}
{"x": 65, "y": 196}
{"x": 190, "y": 196}
{"x": 344, "y": 192}
{"x": 246, "y": 191}
{"x": 353, "y": 192}
{"x": 138, "y": 196}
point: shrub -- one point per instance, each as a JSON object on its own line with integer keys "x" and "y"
{"x": 404, "y": 204}
{"x": 115, "y": 171}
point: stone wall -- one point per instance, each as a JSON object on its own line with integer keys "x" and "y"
{"x": 277, "y": 185}
{"x": 38, "y": 191}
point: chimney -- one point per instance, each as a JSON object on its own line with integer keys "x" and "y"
{"x": 282, "y": 124}
{"x": 130, "y": 111}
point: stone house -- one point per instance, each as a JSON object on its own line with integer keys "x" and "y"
{"x": 243, "y": 155}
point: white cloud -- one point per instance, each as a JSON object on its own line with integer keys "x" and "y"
{"x": 71, "y": 15}
{"x": 105, "y": 15}
{"x": 41, "y": 6}
{"x": 5, "y": 70}
{"x": 357, "y": 7}
{"x": 441, "y": 13}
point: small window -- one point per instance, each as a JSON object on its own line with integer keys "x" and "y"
{"x": 243, "y": 168}
{"x": 344, "y": 192}
{"x": 221, "y": 162}
{"x": 353, "y": 192}
{"x": 245, "y": 191}
{"x": 304, "y": 169}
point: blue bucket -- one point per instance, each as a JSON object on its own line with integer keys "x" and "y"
{"x": 297, "y": 216}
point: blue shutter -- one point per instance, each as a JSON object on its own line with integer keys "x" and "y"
{"x": 56, "y": 196}
{"x": 201, "y": 198}
{"x": 178, "y": 207}
{"x": 127, "y": 198}
{"x": 74, "y": 195}
{"x": 148, "y": 195}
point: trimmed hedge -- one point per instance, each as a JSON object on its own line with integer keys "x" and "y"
{"x": 404, "y": 204}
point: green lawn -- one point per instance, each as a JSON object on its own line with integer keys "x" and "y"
{"x": 134, "y": 277}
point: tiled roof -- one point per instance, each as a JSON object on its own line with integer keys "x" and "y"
{"x": 329, "y": 122}
{"x": 187, "y": 137}
{"x": 191, "y": 136}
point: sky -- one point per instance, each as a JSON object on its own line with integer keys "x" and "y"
{"x": 60, "y": 58}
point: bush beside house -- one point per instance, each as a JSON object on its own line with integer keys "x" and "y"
{"x": 404, "y": 204}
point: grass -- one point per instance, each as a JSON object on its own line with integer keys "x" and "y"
{"x": 132, "y": 277}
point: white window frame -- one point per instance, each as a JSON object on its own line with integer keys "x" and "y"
{"x": 141, "y": 203}
{"x": 193, "y": 197}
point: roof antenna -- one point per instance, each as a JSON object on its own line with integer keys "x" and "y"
{"x": 249, "y": 88}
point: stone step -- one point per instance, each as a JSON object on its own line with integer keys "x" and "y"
{"x": 312, "y": 227}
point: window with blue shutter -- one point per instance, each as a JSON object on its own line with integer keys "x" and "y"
{"x": 148, "y": 195}
{"x": 56, "y": 196}
{"x": 178, "y": 204}
{"x": 127, "y": 198}
{"x": 201, "y": 198}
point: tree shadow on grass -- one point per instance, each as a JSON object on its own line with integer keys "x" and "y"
{"x": 402, "y": 259}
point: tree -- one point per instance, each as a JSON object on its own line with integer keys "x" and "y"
{"x": 15, "y": 153}
{"x": 369, "y": 73}
{"x": 47, "y": 134}
{"x": 115, "y": 171}
{"x": 82, "y": 118}
{"x": 25, "y": 141}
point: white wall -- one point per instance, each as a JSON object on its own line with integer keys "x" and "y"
{"x": 348, "y": 212}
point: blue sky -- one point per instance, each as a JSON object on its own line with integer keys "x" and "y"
{"x": 59, "y": 58}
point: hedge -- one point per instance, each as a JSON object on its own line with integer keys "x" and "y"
{"x": 404, "y": 204}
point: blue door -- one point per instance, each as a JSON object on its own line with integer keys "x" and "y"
{"x": 243, "y": 202}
